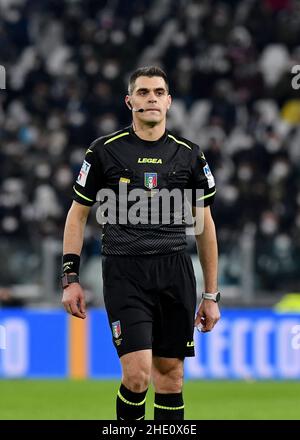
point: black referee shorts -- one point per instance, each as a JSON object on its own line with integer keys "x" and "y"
{"x": 151, "y": 302}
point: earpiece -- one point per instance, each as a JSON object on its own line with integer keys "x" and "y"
{"x": 141, "y": 110}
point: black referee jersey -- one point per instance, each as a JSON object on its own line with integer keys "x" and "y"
{"x": 122, "y": 158}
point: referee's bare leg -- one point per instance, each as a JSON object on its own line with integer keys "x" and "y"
{"x": 167, "y": 376}
{"x": 136, "y": 376}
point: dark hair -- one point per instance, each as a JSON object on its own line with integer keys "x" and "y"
{"x": 146, "y": 71}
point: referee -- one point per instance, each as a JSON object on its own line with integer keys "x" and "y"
{"x": 149, "y": 285}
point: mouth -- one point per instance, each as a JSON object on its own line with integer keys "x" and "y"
{"x": 152, "y": 110}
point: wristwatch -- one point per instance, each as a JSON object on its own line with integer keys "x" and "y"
{"x": 67, "y": 279}
{"x": 213, "y": 296}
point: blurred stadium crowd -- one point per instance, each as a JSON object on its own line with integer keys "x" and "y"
{"x": 229, "y": 64}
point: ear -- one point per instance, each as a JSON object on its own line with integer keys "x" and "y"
{"x": 127, "y": 102}
{"x": 169, "y": 101}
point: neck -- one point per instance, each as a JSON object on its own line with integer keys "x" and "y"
{"x": 149, "y": 132}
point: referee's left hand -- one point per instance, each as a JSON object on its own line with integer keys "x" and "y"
{"x": 208, "y": 315}
{"x": 73, "y": 300}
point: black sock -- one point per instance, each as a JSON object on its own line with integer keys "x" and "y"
{"x": 168, "y": 407}
{"x": 130, "y": 405}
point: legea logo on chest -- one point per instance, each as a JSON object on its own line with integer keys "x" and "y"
{"x": 149, "y": 160}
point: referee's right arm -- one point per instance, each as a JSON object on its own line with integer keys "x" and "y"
{"x": 73, "y": 295}
{"x": 84, "y": 195}
{"x": 74, "y": 228}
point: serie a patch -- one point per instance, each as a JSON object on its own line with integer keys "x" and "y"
{"x": 209, "y": 176}
{"x": 82, "y": 176}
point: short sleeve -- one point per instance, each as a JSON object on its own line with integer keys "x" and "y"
{"x": 202, "y": 180}
{"x": 88, "y": 182}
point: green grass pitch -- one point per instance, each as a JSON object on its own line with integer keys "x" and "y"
{"x": 95, "y": 399}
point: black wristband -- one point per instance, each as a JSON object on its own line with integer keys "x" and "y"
{"x": 70, "y": 263}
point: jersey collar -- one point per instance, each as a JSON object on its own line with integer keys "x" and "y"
{"x": 145, "y": 142}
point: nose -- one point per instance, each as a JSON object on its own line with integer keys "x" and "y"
{"x": 152, "y": 97}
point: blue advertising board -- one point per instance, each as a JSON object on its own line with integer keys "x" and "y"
{"x": 34, "y": 343}
{"x": 245, "y": 344}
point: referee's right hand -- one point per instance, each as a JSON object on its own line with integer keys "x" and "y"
{"x": 73, "y": 300}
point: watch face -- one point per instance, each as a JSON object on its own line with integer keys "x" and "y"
{"x": 218, "y": 297}
{"x": 67, "y": 279}
{"x": 64, "y": 281}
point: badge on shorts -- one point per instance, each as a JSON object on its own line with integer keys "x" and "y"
{"x": 150, "y": 180}
{"x": 116, "y": 329}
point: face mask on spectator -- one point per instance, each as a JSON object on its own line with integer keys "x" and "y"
{"x": 63, "y": 177}
{"x": 245, "y": 173}
{"x": 273, "y": 145}
{"x": 283, "y": 245}
{"x": 107, "y": 124}
{"x": 280, "y": 170}
{"x": 268, "y": 225}
{"x": 43, "y": 171}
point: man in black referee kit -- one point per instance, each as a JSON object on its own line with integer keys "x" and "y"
{"x": 149, "y": 283}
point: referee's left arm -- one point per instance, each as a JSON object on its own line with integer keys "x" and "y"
{"x": 204, "y": 190}
{"x": 208, "y": 313}
{"x": 207, "y": 249}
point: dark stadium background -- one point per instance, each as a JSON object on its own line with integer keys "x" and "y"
{"x": 67, "y": 63}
